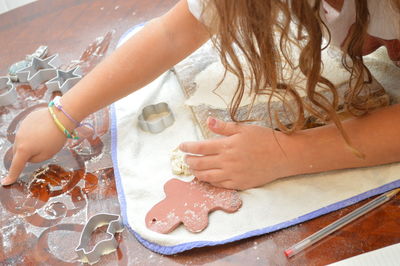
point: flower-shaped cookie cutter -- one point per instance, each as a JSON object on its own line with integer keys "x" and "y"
{"x": 8, "y": 94}
{"x": 156, "y": 117}
{"x": 64, "y": 80}
{"x": 103, "y": 247}
{"x": 39, "y": 71}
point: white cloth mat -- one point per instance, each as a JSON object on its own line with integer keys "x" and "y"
{"x": 142, "y": 167}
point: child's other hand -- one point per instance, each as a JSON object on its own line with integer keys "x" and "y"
{"x": 37, "y": 140}
{"x": 247, "y": 156}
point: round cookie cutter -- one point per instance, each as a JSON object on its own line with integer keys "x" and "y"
{"x": 156, "y": 117}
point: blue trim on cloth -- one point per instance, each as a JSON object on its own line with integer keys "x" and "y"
{"x": 170, "y": 250}
{"x": 114, "y": 157}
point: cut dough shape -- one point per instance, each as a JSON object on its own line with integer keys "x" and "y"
{"x": 190, "y": 203}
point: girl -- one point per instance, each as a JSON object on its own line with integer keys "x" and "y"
{"x": 260, "y": 31}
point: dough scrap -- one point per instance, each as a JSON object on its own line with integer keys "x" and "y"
{"x": 178, "y": 165}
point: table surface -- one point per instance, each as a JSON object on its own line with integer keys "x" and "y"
{"x": 40, "y": 221}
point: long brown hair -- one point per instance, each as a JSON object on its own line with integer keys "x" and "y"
{"x": 260, "y": 33}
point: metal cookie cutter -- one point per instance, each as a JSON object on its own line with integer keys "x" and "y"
{"x": 64, "y": 80}
{"x": 8, "y": 94}
{"x": 103, "y": 247}
{"x": 40, "y": 52}
{"x": 39, "y": 71}
{"x": 156, "y": 117}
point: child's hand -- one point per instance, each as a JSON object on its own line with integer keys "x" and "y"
{"x": 248, "y": 156}
{"x": 37, "y": 140}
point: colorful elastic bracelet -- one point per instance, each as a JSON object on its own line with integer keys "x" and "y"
{"x": 74, "y": 135}
{"x": 58, "y": 105}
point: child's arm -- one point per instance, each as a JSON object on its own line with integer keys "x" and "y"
{"x": 250, "y": 156}
{"x": 157, "y": 47}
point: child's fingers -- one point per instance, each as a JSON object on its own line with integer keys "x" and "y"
{"x": 206, "y": 147}
{"x": 202, "y": 162}
{"x": 222, "y": 128}
{"x": 228, "y": 184}
{"x": 17, "y": 166}
{"x": 210, "y": 176}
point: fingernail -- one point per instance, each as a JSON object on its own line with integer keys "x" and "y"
{"x": 4, "y": 182}
{"x": 181, "y": 146}
{"x": 212, "y": 122}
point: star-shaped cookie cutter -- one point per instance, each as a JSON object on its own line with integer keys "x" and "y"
{"x": 8, "y": 93}
{"x": 40, "y": 52}
{"x": 64, "y": 80}
{"x": 39, "y": 71}
{"x": 103, "y": 247}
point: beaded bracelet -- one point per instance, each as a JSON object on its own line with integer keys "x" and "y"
{"x": 74, "y": 135}
{"x": 58, "y": 105}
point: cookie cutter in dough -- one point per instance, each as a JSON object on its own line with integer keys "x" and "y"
{"x": 39, "y": 71}
{"x": 156, "y": 117}
{"x": 103, "y": 247}
{"x": 8, "y": 93}
{"x": 64, "y": 80}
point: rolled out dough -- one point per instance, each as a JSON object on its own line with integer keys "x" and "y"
{"x": 211, "y": 93}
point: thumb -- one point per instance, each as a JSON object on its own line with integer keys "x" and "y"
{"x": 17, "y": 165}
{"x": 222, "y": 128}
